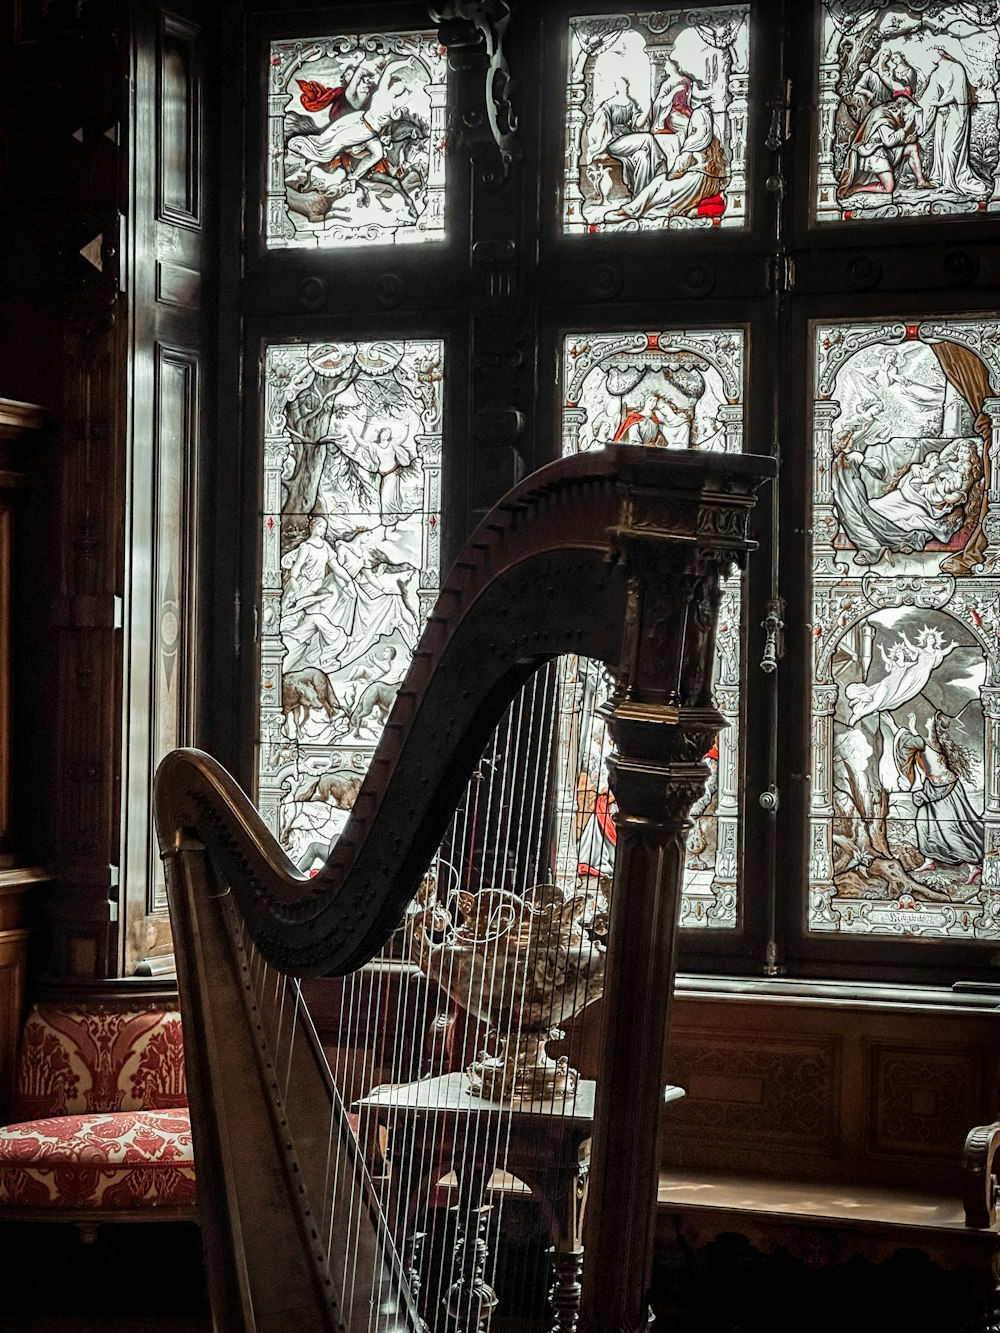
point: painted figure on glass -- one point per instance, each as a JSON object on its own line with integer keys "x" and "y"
{"x": 676, "y": 390}
{"x": 656, "y": 120}
{"x": 906, "y": 628}
{"x": 352, "y": 456}
{"x": 908, "y": 122}
{"x": 360, "y": 123}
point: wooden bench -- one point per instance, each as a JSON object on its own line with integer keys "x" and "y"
{"x": 100, "y": 1130}
{"x": 833, "y": 1121}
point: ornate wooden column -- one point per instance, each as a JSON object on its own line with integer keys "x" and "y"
{"x": 661, "y": 727}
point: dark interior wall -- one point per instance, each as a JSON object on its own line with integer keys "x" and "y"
{"x": 87, "y": 211}
{"x": 62, "y": 345}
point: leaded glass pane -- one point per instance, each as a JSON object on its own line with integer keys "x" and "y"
{"x": 672, "y": 390}
{"x": 905, "y": 817}
{"x": 907, "y": 110}
{"x": 656, "y": 120}
{"x": 356, "y": 134}
{"x": 351, "y": 543}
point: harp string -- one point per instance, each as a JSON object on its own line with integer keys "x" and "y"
{"x": 540, "y": 752}
{"x": 493, "y": 853}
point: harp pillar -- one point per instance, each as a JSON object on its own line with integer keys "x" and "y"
{"x": 661, "y": 726}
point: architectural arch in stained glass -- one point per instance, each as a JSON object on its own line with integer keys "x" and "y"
{"x": 356, "y": 141}
{"x": 656, "y": 120}
{"x": 905, "y": 799}
{"x": 677, "y": 389}
{"x": 351, "y": 567}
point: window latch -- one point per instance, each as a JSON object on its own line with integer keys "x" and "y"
{"x": 773, "y": 625}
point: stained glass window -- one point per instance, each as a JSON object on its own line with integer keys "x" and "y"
{"x": 356, "y": 140}
{"x": 656, "y": 120}
{"x": 908, "y": 114}
{"x": 905, "y": 836}
{"x": 681, "y": 389}
{"x": 351, "y": 542}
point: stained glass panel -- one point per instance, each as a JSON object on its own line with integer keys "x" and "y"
{"x": 905, "y": 818}
{"x": 656, "y": 120}
{"x": 351, "y": 542}
{"x": 356, "y": 135}
{"x": 908, "y": 113}
{"x": 672, "y": 390}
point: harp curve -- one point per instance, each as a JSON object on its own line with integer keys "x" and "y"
{"x": 615, "y": 555}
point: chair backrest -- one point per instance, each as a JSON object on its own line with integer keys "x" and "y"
{"x": 88, "y": 1057}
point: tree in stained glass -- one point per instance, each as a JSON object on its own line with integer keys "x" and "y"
{"x": 905, "y": 817}
{"x": 351, "y": 542}
{"x": 681, "y": 389}
{"x": 656, "y": 120}
{"x": 908, "y": 110}
{"x": 356, "y": 139}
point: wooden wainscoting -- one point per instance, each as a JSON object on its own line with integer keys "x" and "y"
{"x": 828, "y": 1121}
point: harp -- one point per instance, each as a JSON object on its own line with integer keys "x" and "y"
{"x": 615, "y": 556}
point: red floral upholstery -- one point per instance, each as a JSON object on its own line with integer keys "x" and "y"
{"x": 99, "y": 1058}
{"x": 102, "y": 1122}
{"x": 129, "y": 1159}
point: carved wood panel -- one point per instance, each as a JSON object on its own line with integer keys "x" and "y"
{"x": 922, "y": 1094}
{"x": 168, "y": 373}
{"x": 783, "y": 1091}
{"x": 870, "y": 1092}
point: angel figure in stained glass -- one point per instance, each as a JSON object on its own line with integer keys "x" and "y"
{"x": 947, "y": 827}
{"x": 908, "y": 668}
{"x": 387, "y": 460}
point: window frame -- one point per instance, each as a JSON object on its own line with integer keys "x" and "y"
{"x": 773, "y": 277}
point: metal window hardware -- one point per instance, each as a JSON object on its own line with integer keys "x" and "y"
{"x": 769, "y": 799}
{"x": 774, "y": 642}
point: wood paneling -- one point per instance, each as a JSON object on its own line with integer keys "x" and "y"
{"x": 167, "y": 246}
{"x": 919, "y": 1093}
{"x": 178, "y": 139}
{"x": 783, "y": 1092}
{"x": 865, "y": 1090}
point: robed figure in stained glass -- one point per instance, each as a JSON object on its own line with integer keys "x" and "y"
{"x": 933, "y": 765}
{"x": 697, "y": 175}
{"x": 947, "y": 103}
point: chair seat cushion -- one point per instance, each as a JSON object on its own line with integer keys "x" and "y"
{"x": 125, "y": 1159}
